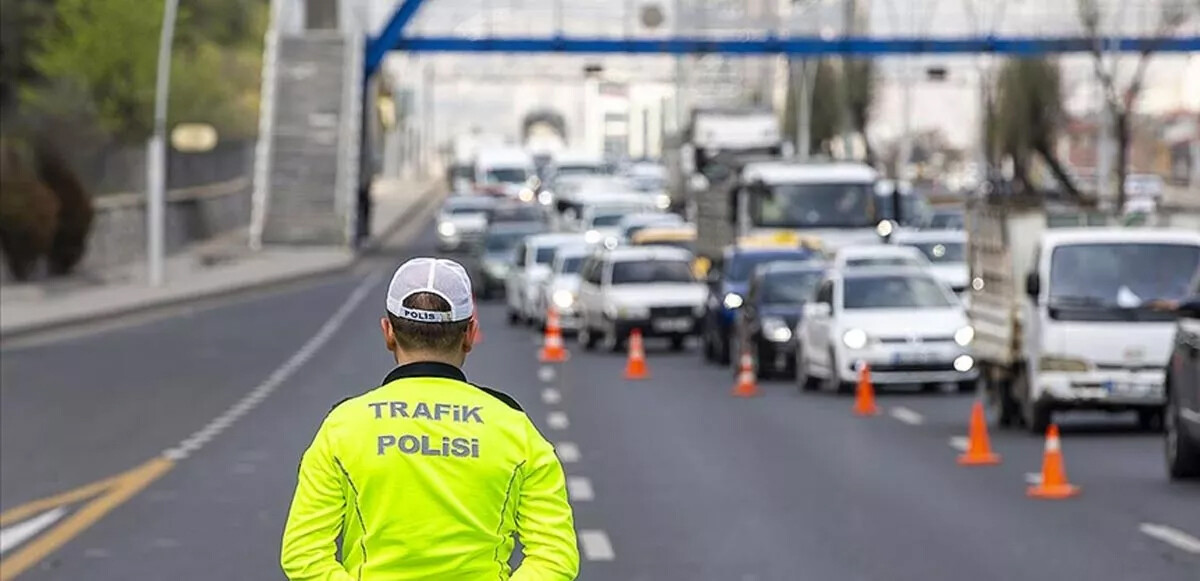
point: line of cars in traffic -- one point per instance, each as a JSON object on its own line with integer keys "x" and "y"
{"x": 610, "y": 259}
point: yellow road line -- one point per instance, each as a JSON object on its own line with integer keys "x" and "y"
{"x": 109, "y": 494}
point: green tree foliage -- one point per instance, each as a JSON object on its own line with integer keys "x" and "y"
{"x": 1028, "y": 116}
{"x": 860, "y": 96}
{"x": 20, "y": 23}
{"x": 109, "y": 48}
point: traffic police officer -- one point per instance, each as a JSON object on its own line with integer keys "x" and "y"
{"x": 429, "y": 476}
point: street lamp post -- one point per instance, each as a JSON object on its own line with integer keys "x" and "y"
{"x": 156, "y": 153}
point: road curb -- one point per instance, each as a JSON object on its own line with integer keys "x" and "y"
{"x": 419, "y": 207}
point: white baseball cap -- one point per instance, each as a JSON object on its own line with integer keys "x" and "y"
{"x": 438, "y": 276}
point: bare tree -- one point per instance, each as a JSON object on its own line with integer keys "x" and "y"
{"x": 1119, "y": 102}
{"x": 1026, "y": 118}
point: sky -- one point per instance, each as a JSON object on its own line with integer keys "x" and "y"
{"x": 1173, "y": 82}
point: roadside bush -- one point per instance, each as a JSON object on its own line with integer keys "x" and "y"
{"x": 75, "y": 212}
{"x": 28, "y": 213}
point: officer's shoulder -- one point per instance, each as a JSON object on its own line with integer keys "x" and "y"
{"x": 506, "y": 399}
{"x": 341, "y": 404}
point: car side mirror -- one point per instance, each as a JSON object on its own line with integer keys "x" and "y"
{"x": 1190, "y": 308}
{"x": 698, "y": 183}
{"x": 1033, "y": 285}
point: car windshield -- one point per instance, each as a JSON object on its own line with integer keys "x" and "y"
{"x": 502, "y": 241}
{"x": 1111, "y": 282}
{"x": 578, "y": 170}
{"x": 914, "y": 209}
{"x": 606, "y": 220}
{"x": 469, "y": 206}
{"x": 545, "y": 255}
{"x": 883, "y": 261}
{"x": 742, "y": 265}
{"x": 947, "y": 221}
{"x": 789, "y": 287}
{"x": 815, "y": 206}
{"x": 893, "y": 291}
{"x": 461, "y": 172}
{"x": 651, "y": 271}
{"x": 648, "y": 183}
{"x": 571, "y": 265}
{"x": 507, "y": 175}
{"x": 516, "y": 214}
{"x": 941, "y": 252}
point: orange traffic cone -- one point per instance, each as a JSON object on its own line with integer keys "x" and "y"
{"x": 747, "y": 382}
{"x": 979, "y": 447}
{"x": 1054, "y": 475}
{"x": 553, "y": 350}
{"x": 864, "y": 396}
{"x": 636, "y": 367}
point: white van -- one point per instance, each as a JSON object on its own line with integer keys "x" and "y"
{"x": 505, "y": 171}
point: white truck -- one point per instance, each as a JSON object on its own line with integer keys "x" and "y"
{"x": 1071, "y": 310}
{"x": 711, "y": 133}
{"x": 833, "y": 202}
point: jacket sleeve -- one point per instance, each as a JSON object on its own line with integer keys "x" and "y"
{"x": 544, "y": 520}
{"x": 314, "y": 522}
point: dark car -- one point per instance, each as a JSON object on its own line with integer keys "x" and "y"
{"x": 767, "y": 321}
{"x": 727, "y": 282}
{"x": 516, "y": 212}
{"x": 1182, "y": 419}
{"x": 947, "y": 219}
{"x": 490, "y": 260}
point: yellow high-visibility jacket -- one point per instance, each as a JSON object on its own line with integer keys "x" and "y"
{"x": 428, "y": 477}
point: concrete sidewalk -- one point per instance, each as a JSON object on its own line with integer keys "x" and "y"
{"x": 216, "y": 267}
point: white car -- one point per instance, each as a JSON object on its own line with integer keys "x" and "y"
{"x": 946, "y": 251}
{"x": 901, "y": 321}
{"x": 878, "y": 255}
{"x": 462, "y": 221}
{"x": 599, "y": 218}
{"x": 561, "y": 288}
{"x": 650, "y": 288}
{"x": 532, "y": 260}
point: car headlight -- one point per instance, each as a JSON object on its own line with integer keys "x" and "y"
{"x": 563, "y": 298}
{"x": 447, "y": 229}
{"x": 592, "y": 237}
{"x": 611, "y": 242}
{"x": 1057, "y": 363}
{"x": 545, "y": 198}
{"x": 855, "y": 338}
{"x": 662, "y": 201}
{"x": 776, "y": 329}
{"x": 964, "y": 336}
{"x": 526, "y": 195}
{"x": 732, "y": 300}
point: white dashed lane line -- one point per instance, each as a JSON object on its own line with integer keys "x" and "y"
{"x": 568, "y": 452}
{"x": 959, "y": 443}
{"x": 1172, "y": 536}
{"x": 580, "y": 489}
{"x": 1033, "y": 478}
{"x": 596, "y": 546}
{"x": 557, "y": 420}
{"x": 546, "y": 373}
{"x": 551, "y": 396}
{"x": 907, "y": 416}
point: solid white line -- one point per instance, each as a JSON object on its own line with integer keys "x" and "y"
{"x": 596, "y": 546}
{"x": 580, "y": 488}
{"x": 235, "y": 412}
{"x": 907, "y": 416}
{"x": 1033, "y": 478}
{"x": 19, "y": 533}
{"x": 551, "y": 396}
{"x": 1172, "y": 536}
{"x": 567, "y": 452}
{"x": 959, "y": 443}
{"x": 558, "y": 420}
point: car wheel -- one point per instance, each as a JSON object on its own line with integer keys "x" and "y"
{"x": 804, "y": 380}
{"x": 1150, "y": 420}
{"x": 761, "y": 371}
{"x": 1183, "y": 453}
{"x": 1036, "y": 415}
{"x": 706, "y": 346}
{"x": 724, "y": 351}
{"x": 677, "y": 342}
{"x": 833, "y": 382}
{"x": 513, "y": 317}
{"x": 611, "y": 341}
{"x": 587, "y": 337}
{"x": 1002, "y": 409}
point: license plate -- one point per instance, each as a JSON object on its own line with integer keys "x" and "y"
{"x": 912, "y": 357}
{"x": 673, "y": 325}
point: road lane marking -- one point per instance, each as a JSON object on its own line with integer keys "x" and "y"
{"x": 19, "y": 533}
{"x": 204, "y": 435}
{"x": 558, "y": 420}
{"x": 959, "y": 443}
{"x": 595, "y": 545}
{"x": 580, "y": 488}
{"x": 551, "y": 396}
{"x": 118, "y": 489}
{"x": 907, "y": 416}
{"x": 546, "y": 373}
{"x": 568, "y": 452}
{"x": 1033, "y": 478}
{"x": 1172, "y": 536}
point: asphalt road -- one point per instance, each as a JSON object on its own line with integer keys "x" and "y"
{"x": 673, "y": 478}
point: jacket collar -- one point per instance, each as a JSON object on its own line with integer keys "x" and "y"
{"x": 425, "y": 369}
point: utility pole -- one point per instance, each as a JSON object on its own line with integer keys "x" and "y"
{"x": 156, "y": 153}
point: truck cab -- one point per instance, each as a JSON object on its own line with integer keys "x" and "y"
{"x": 1074, "y": 318}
